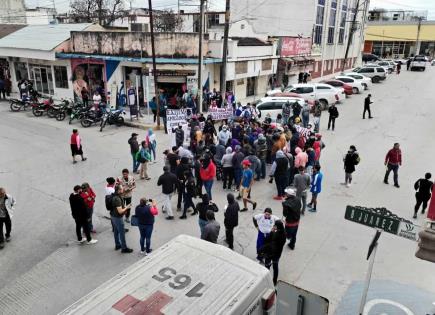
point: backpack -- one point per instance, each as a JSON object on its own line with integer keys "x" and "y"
{"x": 109, "y": 201}
{"x": 357, "y": 159}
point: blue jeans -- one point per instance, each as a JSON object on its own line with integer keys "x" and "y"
{"x": 145, "y": 234}
{"x": 260, "y": 242}
{"x": 237, "y": 176}
{"x": 305, "y": 120}
{"x": 202, "y": 224}
{"x": 153, "y": 151}
{"x": 119, "y": 232}
{"x": 263, "y": 169}
{"x": 395, "y": 169}
{"x": 208, "y": 184}
{"x": 135, "y": 163}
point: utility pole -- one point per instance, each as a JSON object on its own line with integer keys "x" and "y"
{"x": 223, "y": 84}
{"x": 351, "y": 32}
{"x": 417, "y": 42}
{"x": 153, "y": 52}
{"x": 201, "y": 19}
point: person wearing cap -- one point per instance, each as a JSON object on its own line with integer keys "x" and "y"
{"x": 350, "y": 160}
{"x": 291, "y": 210}
{"x": 134, "y": 148}
{"x": 264, "y": 223}
{"x": 316, "y": 187}
{"x": 246, "y": 184}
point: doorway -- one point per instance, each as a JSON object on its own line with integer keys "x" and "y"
{"x": 42, "y": 79}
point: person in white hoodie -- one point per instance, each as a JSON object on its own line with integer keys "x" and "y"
{"x": 7, "y": 203}
{"x": 227, "y": 168}
{"x": 224, "y": 135}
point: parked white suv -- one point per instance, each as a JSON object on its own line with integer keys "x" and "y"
{"x": 356, "y": 85}
{"x": 418, "y": 63}
{"x": 376, "y": 73}
{"x": 324, "y": 93}
{"x": 365, "y": 81}
{"x": 273, "y": 105}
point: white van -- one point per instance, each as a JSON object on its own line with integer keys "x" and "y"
{"x": 273, "y": 105}
{"x": 185, "y": 276}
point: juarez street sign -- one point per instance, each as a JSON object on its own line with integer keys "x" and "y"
{"x": 379, "y": 218}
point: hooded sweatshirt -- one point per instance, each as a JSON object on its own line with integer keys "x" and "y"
{"x": 280, "y": 165}
{"x": 227, "y": 159}
{"x": 232, "y": 212}
{"x": 301, "y": 158}
{"x": 224, "y": 135}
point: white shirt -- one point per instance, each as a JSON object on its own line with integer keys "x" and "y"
{"x": 109, "y": 190}
{"x": 265, "y": 225}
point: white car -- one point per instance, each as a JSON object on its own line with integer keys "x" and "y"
{"x": 357, "y": 86}
{"x": 365, "y": 81}
{"x": 273, "y": 92}
{"x": 325, "y": 94}
{"x": 273, "y": 105}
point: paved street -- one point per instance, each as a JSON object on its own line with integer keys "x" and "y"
{"x": 330, "y": 253}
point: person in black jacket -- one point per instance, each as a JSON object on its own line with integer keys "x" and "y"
{"x": 168, "y": 181}
{"x": 367, "y": 102}
{"x": 231, "y": 220}
{"x": 272, "y": 248}
{"x": 279, "y": 172}
{"x": 350, "y": 161}
{"x": 291, "y": 210}
{"x": 190, "y": 192}
{"x": 202, "y": 208}
{"x": 423, "y": 194}
{"x": 79, "y": 212}
{"x": 181, "y": 171}
{"x": 145, "y": 214}
{"x": 333, "y": 114}
{"x": 179, "y": 135}
{"x": 134, "y": 148}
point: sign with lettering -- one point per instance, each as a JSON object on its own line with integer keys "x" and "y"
{"x": 408, "y": 230}
{"x": 379, "y": 218}
{"x": 220, "y": 113}
{"x": 174, "y": 117}
{"x": 293, "y": 46}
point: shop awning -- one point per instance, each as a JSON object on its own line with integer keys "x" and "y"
{"x": 299, "y": 58}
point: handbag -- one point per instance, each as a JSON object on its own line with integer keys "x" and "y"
{"x": 134, "y": 221}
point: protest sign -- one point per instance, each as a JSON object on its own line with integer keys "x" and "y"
{"x": 220, "y": 113}
{"x": 174, "y": 117}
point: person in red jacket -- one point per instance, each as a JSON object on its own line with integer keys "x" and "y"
{"x": 76, "y": 146}
{"x": 207, "y": 173}
{"x": 393, "y": 160}
{"x": 89, "y": 196}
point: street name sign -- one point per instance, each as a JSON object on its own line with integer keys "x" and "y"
{"x": 383, "y": 219}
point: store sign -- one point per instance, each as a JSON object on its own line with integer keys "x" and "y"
{"x": 169, "y": 73}
{"x": 293, "y": 46}
{"x": 220, "y": 113}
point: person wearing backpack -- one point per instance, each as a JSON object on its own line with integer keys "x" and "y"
{"x": 350, "y": 160}
{"x": 143, "y": 156}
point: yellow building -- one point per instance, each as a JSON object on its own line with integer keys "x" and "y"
{"x": 399, "y": 39}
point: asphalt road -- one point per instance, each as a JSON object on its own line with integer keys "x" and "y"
{"x": 35, "y": 167}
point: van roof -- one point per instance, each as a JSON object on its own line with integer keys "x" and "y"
{"x": 185, "y": 276}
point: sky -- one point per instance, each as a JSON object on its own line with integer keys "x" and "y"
{"x": 63, "y": 5}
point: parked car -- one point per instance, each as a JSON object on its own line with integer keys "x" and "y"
{"x": 365, "y": 81}
{"x": 356, "y": 85}
{"x": 433, "y": 62}
{"x": 418, "y": 63}
{"x": 337, "y": 83}
{"x": 324, "y": 93}
{"x": 369, "y": 57}
{"x": 273, "y": 105}
{"x": 387, "y": 65}
{"x": 376, "y": 73}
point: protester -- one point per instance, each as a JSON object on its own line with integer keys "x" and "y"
{"x": 76, "y": 146}
{"x": 237, "y": 166}
{"x": 224, "y": 135}
{"x": 181, "y": 172}
{"x": 316, "y": 188}
{"x": 350, "y": 161}
{"x": 7, "y": 205}
{"x": 145, "y": 214}
{"x": 279, "y": 172}
{"x": 393, "y": 160}
{"x": 367, "y": 102}
{"x": 79, "y": 213}
{"x": 168, "y": 181}
{"x": 260, "y": 146}
{"x": 317, "y": 113}
{"x": 208, "y": 173}
{"x": 118, "y": 209}
{"x": 173, "y": 159}
{"x": 245, "y": 185}
{"x": 291, "y": 210}
{"x": 333, "y": 115}
{"x": 227, "y": 169}
{"x": 231, "y": 220}
{"x": 272, "y": 248}
{"x": 179, "y": 135}
{"x": 89, "y": 196}
{"x": 202, "y": 208}
{"x": 264, "y": 223}
{"x": 424, "y": 187}
{"x": 152, "y": 143}
{"x": 134, "y": 149}
{"x": 128, "y": 184}
{"x": 211, "y": 230}
{"x": 144, "y": 157}
{"x": 189, "y": 194}
{"x": 302, "y": 184}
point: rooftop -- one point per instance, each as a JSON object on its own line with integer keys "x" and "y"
{"x": 6, "y": 29}
{"x": 250, "y": 41}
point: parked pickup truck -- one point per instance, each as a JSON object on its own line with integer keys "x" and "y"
{"x": 186, "y": 276}
{"x": 418, "y": 63}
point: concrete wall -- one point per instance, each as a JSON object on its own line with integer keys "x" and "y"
{"x": 12, "y": 12}
{"x": 138, "y": 44}
{"x": 40, "y": 16}
{"x": 276, "y": 18}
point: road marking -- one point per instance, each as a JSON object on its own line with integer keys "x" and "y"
{"x": 374, "y": 302}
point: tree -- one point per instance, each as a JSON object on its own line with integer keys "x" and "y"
{"x": 102, "y": 11}
{"x": 167, "y": 21}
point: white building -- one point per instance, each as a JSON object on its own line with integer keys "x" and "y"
{"x": 12, "y": 12}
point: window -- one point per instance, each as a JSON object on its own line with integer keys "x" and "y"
{"x": 251, "y": 86}
{"x": 265, "y": 106}
{"x": 266, "y": 64}
{"x": 212, "y": 20}
{"x": 332, "y": 21}
{"x": 347, "y": 80}
{"x": 20, "y": 71}
{"x": 367, "y": 70}
{"x": 241, "y": 67}
{"x": 60, "y": 77}
{"x": 318, "y": 28}
{"x": 380, "y": 69}
{"x": 342, "y": 26}
{"x": 303, "y": 90}
{"x": 322, "y": 87}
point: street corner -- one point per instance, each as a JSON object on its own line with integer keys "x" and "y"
{"x": 387, "y": 298}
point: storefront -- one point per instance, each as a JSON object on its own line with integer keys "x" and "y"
{"x": 88, "y": 74}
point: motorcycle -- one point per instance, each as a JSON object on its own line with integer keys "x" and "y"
{"x": 56, "y": 109}
{"x": 92, "y": 117}
{"x": 78, "y": 112}
{"x": 38, "y": 109}
{"x": 112, "y": 118}
{"x": 17, "y": 105}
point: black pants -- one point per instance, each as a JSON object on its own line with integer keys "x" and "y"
{"x": 395, "y": 169}
{"x": 154, "y": 114}
{"x": 227, "y": 177}
{"x": 421, "y": 200}
{"x": 229, "y": 236}
{"x": 7, "y": 222}
{"x": 291, "y": 232}
{"x": 332, "y": 121}
{"x": 3, "y": 92}
{"x": 198, "y": 187}
{"x": 180, "y": 194}
{"x": 127, "y": 201}
{"x": 367, "y": 109}
{"x": 83, "y": 224}
{"x": 274, "y": 263}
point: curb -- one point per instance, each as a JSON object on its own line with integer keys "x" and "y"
{"x": 142, "y": 126}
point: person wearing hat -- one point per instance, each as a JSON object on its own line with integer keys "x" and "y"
{"x": 134, "y": 148}
{"x": 246, "y": 184}
{"x": 264, "y": 223}
{"x": 350, "y": 160}
{"x": 291, "y": 210}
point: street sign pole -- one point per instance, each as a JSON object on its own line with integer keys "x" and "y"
{"x": 372, "y": 255}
